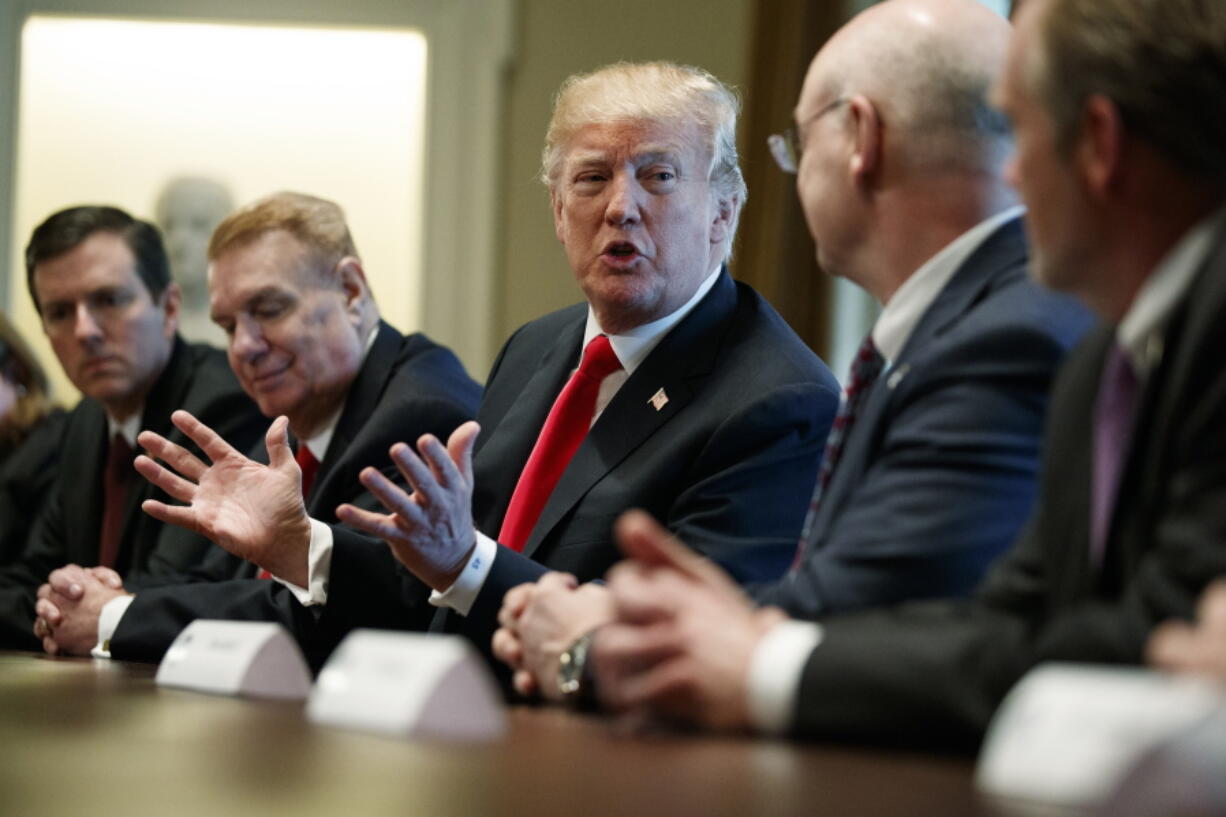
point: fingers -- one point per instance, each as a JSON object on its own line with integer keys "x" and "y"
{"x": 184, "y": 517}
{"x": 165, "y": 479}
{"x": 646, "y": 540}
{"x": 378, "y": 525}
{"x": 276, "y": 441}
{"x": 107, "y": 576}
{"x": 1211, "y": 612}
{"x": 438, "y": 459}
{"x": 622, "y": 654}
{"x": 507, "y": 648}
{"x": 208, "y": 440}
{"x": 514, "y": 602}
{"x": 173, "y": 454}
{"x": 460, "y": 448}
{"x": 556, "y": 581}
{"x": 393, "y": 498}
{"x": 48, "y": 613}
{"x": 69, "y": 581}
{"x": 419, "y": 477}
{"x": 49, "y": 646}
{"x": 525, "y": 683}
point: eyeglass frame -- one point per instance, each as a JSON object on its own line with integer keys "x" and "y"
{"x": 786, "y": 147}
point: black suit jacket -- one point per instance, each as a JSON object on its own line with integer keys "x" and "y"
{"x": 196, "y": 378}
{"x": 728, "y": 463}
{"x": 935, "y": 672}
{"x": 407, "y": 386}
{"x": 940, "y": 470}
{"x": 26, "y": 477}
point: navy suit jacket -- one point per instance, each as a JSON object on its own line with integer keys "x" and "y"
{"x": 940, "y": 470}
{"x": 934, "y": 672}
{"x": 407, "y": 386}
{"x": 727, "y": 463}
{"x": 196, "y": 378}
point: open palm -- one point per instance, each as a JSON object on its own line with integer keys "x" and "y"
{"x": 253, "y": 510}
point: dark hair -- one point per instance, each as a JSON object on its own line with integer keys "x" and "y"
{"x": 65, "y": 230}
{"x": 1162, "y": 62}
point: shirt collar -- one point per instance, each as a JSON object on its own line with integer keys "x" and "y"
{"x": 1140, "y": 332}
{"x": 633, "y": 346}
{"x": 129, "y": 428}
{"x": 318, "y": 443}
{"x": 911, "y": 300}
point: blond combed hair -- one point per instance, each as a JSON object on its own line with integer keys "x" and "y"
{"x": 318, "y": 224}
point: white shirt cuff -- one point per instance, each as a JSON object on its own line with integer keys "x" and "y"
{"x": 461, "y": 595}
{"x": 319, "y": 568}
{"x": 774, "y": 673}
{"x": 108, "y": 622}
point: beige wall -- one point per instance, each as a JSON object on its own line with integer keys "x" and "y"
{"x": 556, "y": 38}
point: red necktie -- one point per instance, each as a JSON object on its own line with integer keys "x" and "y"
{"x": 565, "y": 427}
{"x": 309, "y": 465}
{"x": 115, "y": 481}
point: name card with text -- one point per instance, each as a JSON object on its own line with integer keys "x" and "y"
{"x": 411, "y": 685}
{"x": 249, "y": 658}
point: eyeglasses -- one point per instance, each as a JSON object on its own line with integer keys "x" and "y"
{"x": 786, "y": 147}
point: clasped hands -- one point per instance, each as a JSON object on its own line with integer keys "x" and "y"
{"x": 256, "y": 511}
{"x": 68, "y": 606}
{"x": 676, "y": 635}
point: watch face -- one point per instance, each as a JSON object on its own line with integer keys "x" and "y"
{"x": 570, "y": 666}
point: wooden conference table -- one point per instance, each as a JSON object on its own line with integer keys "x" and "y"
{"x": 98, "y": 738}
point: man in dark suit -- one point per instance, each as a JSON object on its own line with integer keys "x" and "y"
{"x": 1126, "y": 188}
{"x": 100, "y": 281}
{"x": 701, "y": 402}
{"x": 306, "y": 342}
{"x": 936, "y": 468}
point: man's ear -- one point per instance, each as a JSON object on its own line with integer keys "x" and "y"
{"x": 726, "y": 208}
{"x": 865, "y": 160}
{"x": 555, "y": 202}
{"x": 353, "y": 284}
{"x": 171, "y": 303}
{"x": 1100, "y": 144}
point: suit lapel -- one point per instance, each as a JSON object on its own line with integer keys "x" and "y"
{"x": 1176, "y": 379}
{"x": 508, "y": 452}
{"x": 1004, "y": 248}
{"x": 684, "y": 356}
{"x": 164, "y": 398}
{"x": 364, "y": 393}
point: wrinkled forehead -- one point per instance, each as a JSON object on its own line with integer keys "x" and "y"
{"x": 276, "y": 258}
{"x": 637, "y": 141}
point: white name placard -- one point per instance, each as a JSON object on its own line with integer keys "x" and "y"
{"x": 1067, "y": 733}
{"x": 250, "y": 658}
{"x": 410, "y": 685}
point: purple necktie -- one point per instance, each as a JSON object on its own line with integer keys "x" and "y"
{"x": 865, "y": 368}
{"x": 1114, "y": 413}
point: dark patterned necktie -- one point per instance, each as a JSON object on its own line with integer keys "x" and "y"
{"x": 1114, "y": 414}
{"x": 116, "y": 479}
{"x": 865, "y": 369}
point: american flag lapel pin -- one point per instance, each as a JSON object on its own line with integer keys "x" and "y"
{"x": 659, "y": 400}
